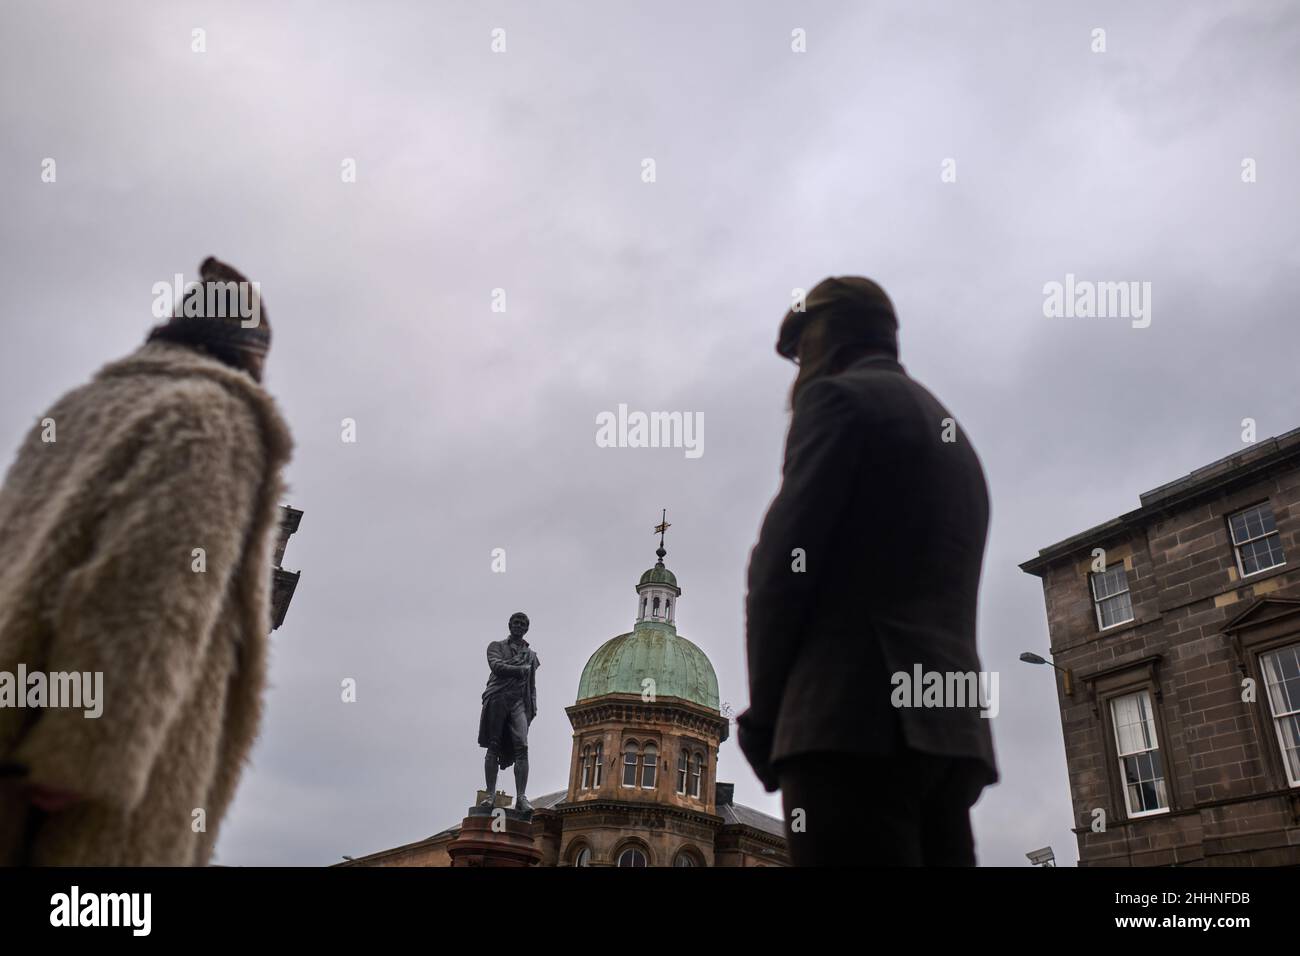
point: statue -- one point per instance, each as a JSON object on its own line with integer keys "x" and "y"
{"x": 509, "y": 705}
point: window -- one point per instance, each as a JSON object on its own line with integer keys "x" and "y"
{"x": 1282, "y": 678}
{"x": 1140, "y": 766}
{"x": 631, "y": 857}
{"x": 649, "y": 763}
{"x": 1256, "y": 540}
{"x": 586, "y": 767}
{"x": 630, "y": 756}
{"x": 697, "y": 774}
{"x": 1111, "y": 597}
{"x": 640, "y": 765}
{"x": 681, "y": 771}
{"x": 685, "y": 859}
{"x": 582, "y": 857}
{"x": 600, "y": 765}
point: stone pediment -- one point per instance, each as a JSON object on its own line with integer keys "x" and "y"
{"x": 1262, "y": 611}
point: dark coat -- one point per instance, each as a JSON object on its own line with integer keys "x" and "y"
{"x": 507, "y": 668}
{"x": 892, "y": 520}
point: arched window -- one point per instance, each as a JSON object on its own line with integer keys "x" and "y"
{"x": 586, "y": 767}
{"x": 649, "y": 763}
{"x": 681, "y": 771}
{"x": 655, "y": 606}
{"x": 643, "y": 604}
{"x": 668, "y": 610}
{"x": 685, "y": 858}
{"x": 583, "y": 856}
{"x": 697, "y": 775}
{"x": 632, "y": 857}
{"x": 600, "y": 765}
{"x": 629, "y": 763}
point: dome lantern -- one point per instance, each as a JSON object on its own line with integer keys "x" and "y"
{"x": 657, "y": 591}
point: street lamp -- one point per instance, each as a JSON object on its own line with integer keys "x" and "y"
{"x": 1029, "y": 657}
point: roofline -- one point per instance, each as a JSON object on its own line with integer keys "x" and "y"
{"x": 626, "y": 697}
{"x": 1216, "y": 476}
{"x": 753, "y": 832}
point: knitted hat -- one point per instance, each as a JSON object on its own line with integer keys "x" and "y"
{"x": 224, "y": 313}
{"x": 856, "y": 312}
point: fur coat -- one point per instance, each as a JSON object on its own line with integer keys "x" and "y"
{"x": 164, "y": 452}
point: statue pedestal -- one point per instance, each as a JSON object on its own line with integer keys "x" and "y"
{"x": 495, "y": 838}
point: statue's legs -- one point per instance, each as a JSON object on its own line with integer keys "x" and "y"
{"x": 490, "y": 766}
{"x": 521, "y": 780}
{"x": 519, "y": 731}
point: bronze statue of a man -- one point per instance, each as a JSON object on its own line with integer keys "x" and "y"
{"x": 509, "y": 706}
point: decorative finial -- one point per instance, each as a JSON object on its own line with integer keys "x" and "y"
{"x": 660, "y": 528}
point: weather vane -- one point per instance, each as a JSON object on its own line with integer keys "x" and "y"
{"x": 660, "y": 528}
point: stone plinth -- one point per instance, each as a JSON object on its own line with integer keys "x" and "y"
{"x": 495, "y": 838}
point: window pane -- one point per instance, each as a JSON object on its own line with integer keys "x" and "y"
{"x": 1116, "y": 610}
{"x": 629, "y": 766}
{"x": 1141, "y": 768}
{"x": 1134, "y": 723}
{"x": 1110, "y": 582}
{"x": 1261, "y": 555}
{"x": 1282, "y": 678}
{"x": 1148, "y": 722}
{"x": 1252, "y": 523}
{"x": 1111, "y": 594}
{"x": 1288, "y": 729}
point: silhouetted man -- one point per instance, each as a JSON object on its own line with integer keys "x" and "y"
{"x": 864, "y": 577}
{"x": 509, "y": 706}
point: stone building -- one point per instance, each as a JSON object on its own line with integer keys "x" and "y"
{"x": 642, "y": 787}
{"x": 1176, "y": 627}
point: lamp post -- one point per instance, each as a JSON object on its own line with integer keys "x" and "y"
{"x": 1029, "y": 657}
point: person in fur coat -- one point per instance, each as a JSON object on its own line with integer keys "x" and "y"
{"x": 137, "y": 524}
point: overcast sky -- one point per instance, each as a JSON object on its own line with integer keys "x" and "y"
{"x": 522, "y": 170}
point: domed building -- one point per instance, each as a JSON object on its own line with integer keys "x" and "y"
{"x": 642, "y": 786}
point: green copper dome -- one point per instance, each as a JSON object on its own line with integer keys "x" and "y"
{"x": 678, "y": 667}
{"x": 658, "y": 575}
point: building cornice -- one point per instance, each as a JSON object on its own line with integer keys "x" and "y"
{"x": 630, "y": 807}
{"x": 631, "y": 709}
{"x": 1213, "y": 479}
